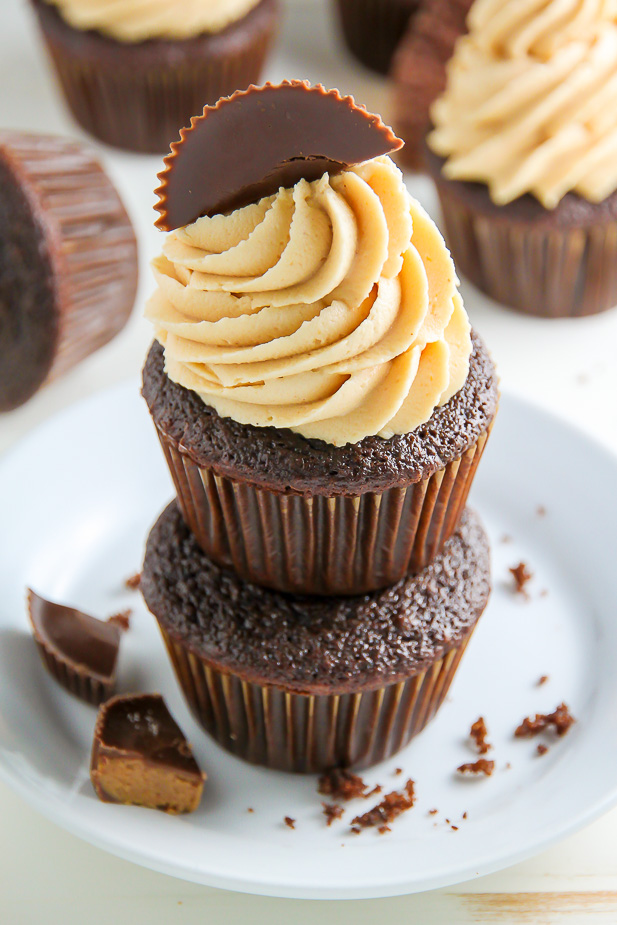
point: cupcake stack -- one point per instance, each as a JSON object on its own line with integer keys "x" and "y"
{"x": 322, "y": 405}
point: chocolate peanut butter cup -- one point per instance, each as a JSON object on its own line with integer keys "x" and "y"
{"x": 137, "y": 95}
{"x": 140, "y": 756}
{"x": 80, "y": 652}
{"x": 372, "y": 29}
{"x": 304, "y": 684}
{"x": 68, "y": 261}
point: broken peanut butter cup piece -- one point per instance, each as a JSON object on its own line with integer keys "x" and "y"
{"x": 80, "y": 651}
{"x": 140, "y": 756}
{"x": 253, "y": 143}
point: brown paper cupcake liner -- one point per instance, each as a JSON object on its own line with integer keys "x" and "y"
{"x": 307, "y": 733}
{"x": 82, "y": 684}
{"x": 373, "y": 28}
{"x": 90, "y": 240}
{"x": 138, "y": 97}
{"x": 549, "y": 272}
{"x": 318, "y": 544}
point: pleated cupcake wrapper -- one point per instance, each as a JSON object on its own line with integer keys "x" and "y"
{"x": 92, "y": 690}
{"x": 373, "y": 28}
{"x": 142, "y": 107}
{"x": 318, "y": 544}
{"x": 93, "y": 249}
{"x": 553, "y": 273}
{"x": 308, "y": 733}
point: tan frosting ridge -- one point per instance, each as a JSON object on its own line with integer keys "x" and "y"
{"x": 530, "y": 104}
{"x": 140, "y": 20}
{"x": 331, "y": 308}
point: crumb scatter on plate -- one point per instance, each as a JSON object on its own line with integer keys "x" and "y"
{"x": 481, "y": 766}
{"x": 560, "y": 720}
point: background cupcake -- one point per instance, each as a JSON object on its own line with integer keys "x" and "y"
{"x": 314, "y": 398}
{"x": 419, "y": 70}
{"x": 306, "y": 684}
{"x": 68, "y": 261}
{"x": 133, "y": 73}
{"x": 525, "y": 155}
{"x": 373, "y": 28}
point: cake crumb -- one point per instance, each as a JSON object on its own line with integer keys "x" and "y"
{"x": 478, "y": 733}
{"x": 465, "y": 814}
{"x": 383, "y": 829}
{"x": 481, "y": 766}
{"x": 289, "y": 822}
{"x": 122, "y": 619}
{"x": 133, "y": 582}
{"x": 398, "y": 772}
{"x": 332, "y": 811}
{"x": 341, "y": 784}
{"x": 560, "y": 720}
{"x": 454, "y": 828}
{"x": 542, "y": 680}
{"x": 433, "y": 812}
{"x": 522, "y": 576}
{"x": 542, "y": 749}
{"x": 355, "y": 830}
{"x": 392, "y": 806}
{"x": 250, "y": 810}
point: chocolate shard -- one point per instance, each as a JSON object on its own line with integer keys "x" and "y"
{"x": 80, "y": 651}
{"x": 141, "y": 757}
{"x": 258, "y": 140}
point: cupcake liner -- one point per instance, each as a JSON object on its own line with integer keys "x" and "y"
{"x": 317, "y": 544}
{"x": 139, "y": 96}
{"x": 373, "y": 28}
{"x": 90, "y": 241}
{"x": 551, "y": 272}
{"x": 309, "y": 733}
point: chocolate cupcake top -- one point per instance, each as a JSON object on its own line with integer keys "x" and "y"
{"x": 330, "y": 307}
{"x": 530, "y": 104}
{"x": 140, "y": 20}
{"x": 314, "y": 644}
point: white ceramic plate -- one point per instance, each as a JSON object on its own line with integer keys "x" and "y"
{"x": 77, "y": 498}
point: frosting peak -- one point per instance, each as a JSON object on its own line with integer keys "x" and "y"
{"x": 331, "y": 308}
{"x": 140, "y": 20}
{"x": 530, "y": 104}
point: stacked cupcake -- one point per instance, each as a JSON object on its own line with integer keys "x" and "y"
{"x": 322, "y": 405}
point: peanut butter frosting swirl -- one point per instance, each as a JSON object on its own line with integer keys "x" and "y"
{"x": 331, "y": 308}
{"x": 140, "y": 20}
{"x": 530, "y": 104}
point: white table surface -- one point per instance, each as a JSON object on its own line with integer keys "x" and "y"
{"x": 48, "y": 876}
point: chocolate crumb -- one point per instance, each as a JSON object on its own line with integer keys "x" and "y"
{"x": 250, "y": 810}
{"x": 447, "y": 821}
{"x": 332, "y": 811}
{"x": 383, "y": 829}
{"x": 432, "y": 812}
{"x": 542, "y": 680}
{"x": 465, "y": 815}
{"x": 342, "y": 784}
{"x": 392, "y": 805}
{"x": 560, "y": 720}
{"x": 522, "y": 576}
{"x": 122, "y": 619}
{"x": 481, "y": 766}
{"x": 454, "y": 828}
{"x": 133, "y": 582}
{"x": 355, "y": 830}
{"x": 289, "y": 822}
{"x": 478, "y": 733}
{"x": 372, "y": 793}
{"x": 542, "y": 749}
{"x": 398, "y": 772}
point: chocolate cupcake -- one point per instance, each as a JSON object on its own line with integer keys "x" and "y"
{"x": 372, "y": 29}
{"x": 525, "y": 156}
{"x": 322, "y": 408}
{"x": 134, "y": 73}
{"x": 68, "y": 261}
{"x": 304, "y": 684}
{"x": 419, "y": 70}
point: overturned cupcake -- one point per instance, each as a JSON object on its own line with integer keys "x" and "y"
{"x": 134, "y": 72}
{"x": 318, "y": 395}
{"x": 305, "y": 684}
{"x": 68, "y": 261}
{"x": 524, "y": 155}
